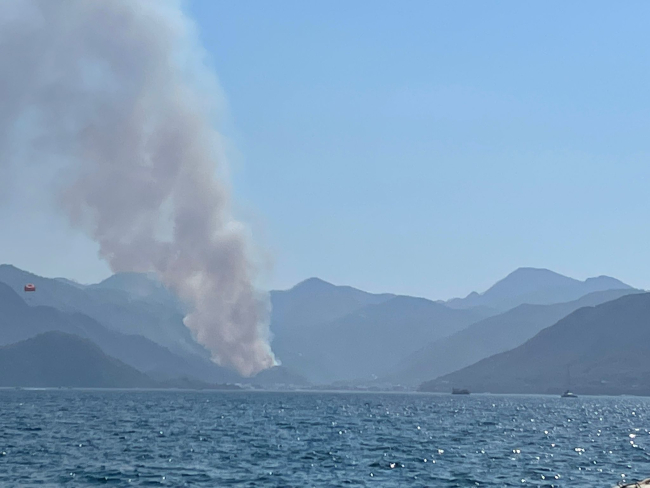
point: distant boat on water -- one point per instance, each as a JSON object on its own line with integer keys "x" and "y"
{"x": 568, "y": 393}
{"x": 460, "y": 391}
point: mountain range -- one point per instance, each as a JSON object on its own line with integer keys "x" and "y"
{"x": 322, "y": 333}
{"x": 491, "y": 336}
{"x": 334, "y": 334}
{"x": 129, "y": 303}
{"x": 601, "y": 349}
{"x": 535, "y": 286}
{"x": 354, "y": 335}
{"x": 57, "y": 359}
{"x": 129, "y": 316}
{"x": 19, "y": 321}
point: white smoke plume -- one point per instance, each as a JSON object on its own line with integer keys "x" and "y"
{"x": 109, "y": 92}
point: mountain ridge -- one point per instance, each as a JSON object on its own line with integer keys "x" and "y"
{"x": 538, "y": 286}
{"x": 601, "y": 348}
{"x": 112, "y": 307}
{"x": 491, "y": 336}
{"x": 19, "y": 321}
{"x": 328, "y": 333}
{"x": 370, "y": 339}
{"x": 57, "y": 359}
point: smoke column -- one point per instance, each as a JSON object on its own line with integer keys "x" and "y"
{"x": 109, "y": 93}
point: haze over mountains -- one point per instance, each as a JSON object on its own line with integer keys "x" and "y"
{"x": 537, "y": 287}
{"x": 129, "y": 316}
{"x": 601, "y": 349}
{"x": 59, "y": 359}
{"x": 19, "y": 321}
{"x": 322, "y": 333}
{"x": 360, "y": 336}
{"x": 491, "y": 336}
{"x": 130, "y": 303}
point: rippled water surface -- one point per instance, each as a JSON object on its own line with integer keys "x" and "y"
{"x": 67, "y": 437}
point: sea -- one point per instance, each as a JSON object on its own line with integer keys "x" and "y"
{"x": 319, "y": 439}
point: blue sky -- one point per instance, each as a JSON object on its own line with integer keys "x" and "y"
{"x": 425, "y": 147}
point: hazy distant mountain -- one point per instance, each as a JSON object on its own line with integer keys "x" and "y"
{"x": 297, "y": 311}
{"x": 315, "y": 301}
{"x": 321, "y": 331}
{"x": 370, "y": 340}
{"x": 55, "y": 359}
{"x": 141, "y": 286}
{"x": 70, "y": 282}
{"x": 18, "y": 322}
{"x": 535, "y": 286}
{"x": 128, "y": 303}
{"x": 491, "y": 336}
{"x": 133, "y": 317}
{"x": 602, "y": 349}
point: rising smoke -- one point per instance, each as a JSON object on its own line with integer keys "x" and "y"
{"x": 108, "y": 91}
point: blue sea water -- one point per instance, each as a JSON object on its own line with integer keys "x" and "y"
{"x": 264, "y": 439}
